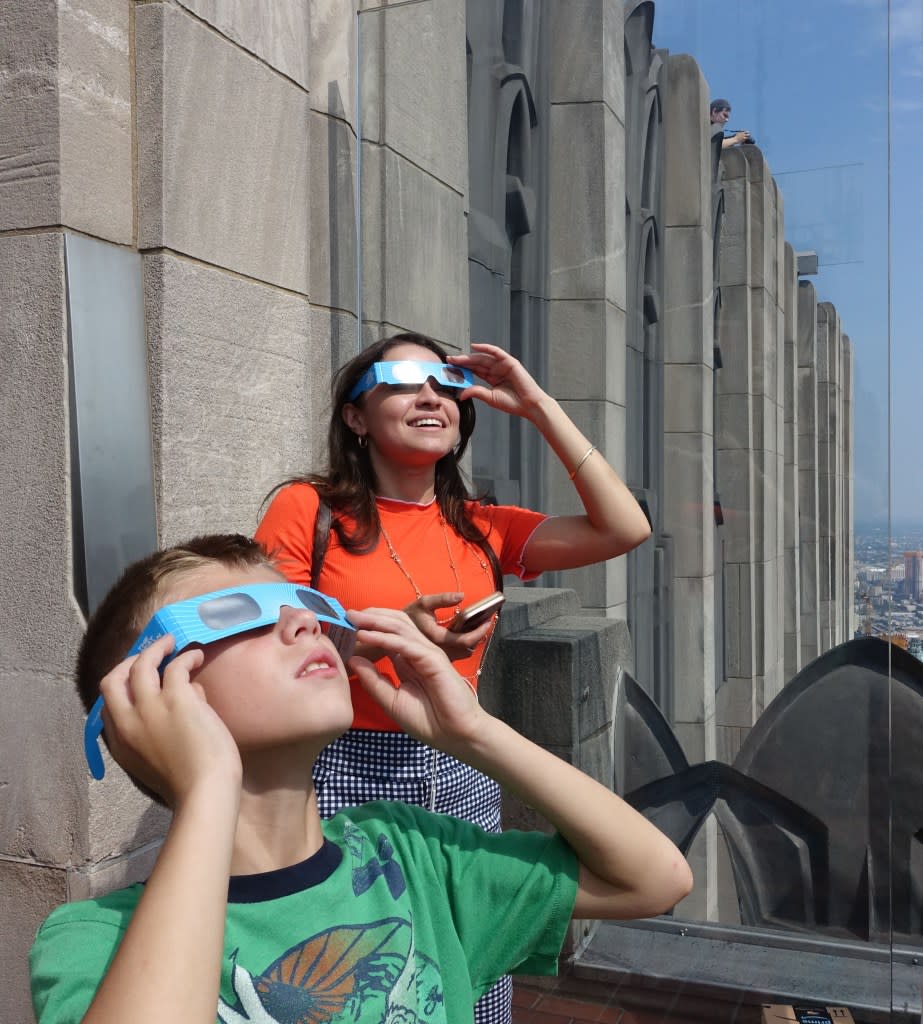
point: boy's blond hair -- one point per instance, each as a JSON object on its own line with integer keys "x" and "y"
{"x": 124, "y": 612}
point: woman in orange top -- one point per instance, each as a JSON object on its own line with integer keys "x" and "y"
{"x": 404, "y": 533}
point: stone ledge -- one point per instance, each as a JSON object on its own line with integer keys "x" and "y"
{"x": 730, "y": 968}
{"x": 552, "y": 675}
{"x": 527, "y": 607}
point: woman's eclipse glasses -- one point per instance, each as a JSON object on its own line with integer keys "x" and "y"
{"x": 221, "y": 614}
{"x": 412, "y": 373}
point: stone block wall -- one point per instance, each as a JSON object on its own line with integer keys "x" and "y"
{"x": 775, "y": 446}
{"x": 689, "y": 485}
{"x": 737, "y": 466}
{"x": 414, "y": 169}
{"x": 689, "y": 435}
{"x": 782, "y": 464}
{"x": 766, "y": 426}
{"x": 219, "y": 142}
{"x": 586, "y": 256}
{"x": 791, "y": 599}
{"x": 808, "y": 471}
{"x": 66, "y": 102}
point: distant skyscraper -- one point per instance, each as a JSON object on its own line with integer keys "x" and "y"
{"x": 913, "y": 574}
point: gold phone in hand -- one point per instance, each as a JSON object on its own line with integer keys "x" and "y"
{"x": 476, "y": 614}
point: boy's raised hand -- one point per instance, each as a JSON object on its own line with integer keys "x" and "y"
{"x": 162, "y": 730}
{"x": 433, "y": 703}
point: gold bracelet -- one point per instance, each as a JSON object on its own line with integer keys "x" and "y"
{"x": 586, "y": 455}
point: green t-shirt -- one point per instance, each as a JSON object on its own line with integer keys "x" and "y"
{"x": 402, "y": 915}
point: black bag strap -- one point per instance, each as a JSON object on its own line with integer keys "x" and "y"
{"x": 321, "y": 540}
{"x": 488, "y": 550}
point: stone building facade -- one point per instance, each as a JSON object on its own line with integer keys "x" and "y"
{"x": 205, "y": 205}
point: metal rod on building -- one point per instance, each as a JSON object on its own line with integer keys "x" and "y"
{"x": 357, "y": 201}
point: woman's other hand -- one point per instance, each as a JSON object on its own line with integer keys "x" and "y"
{"x": 457, "y": 646}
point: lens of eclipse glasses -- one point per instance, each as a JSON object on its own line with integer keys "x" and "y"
{"x": 236, "y": 609}
{"x": 409, "y": 372}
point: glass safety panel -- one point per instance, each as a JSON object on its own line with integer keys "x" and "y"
{"x": 697, "y": 225}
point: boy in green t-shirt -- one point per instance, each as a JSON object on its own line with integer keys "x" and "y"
{"x": 258, "y": 911}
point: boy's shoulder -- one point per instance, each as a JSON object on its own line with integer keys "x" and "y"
{"x": 113, "y": 909}
{"x": 73, "y": 948}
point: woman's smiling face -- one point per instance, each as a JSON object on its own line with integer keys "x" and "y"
{"x": 412, "y": 425}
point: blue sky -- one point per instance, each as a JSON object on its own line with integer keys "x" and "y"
{"x": 810, "y": 79}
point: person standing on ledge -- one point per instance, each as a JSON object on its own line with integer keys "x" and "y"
{"x": 720, "y": 112}
{"x": 405, "y": 533}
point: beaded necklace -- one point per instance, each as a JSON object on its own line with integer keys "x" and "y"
{"x": 396, "y": 558}
{"x": 471, "y": 681}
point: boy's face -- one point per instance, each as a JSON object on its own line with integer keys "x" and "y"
{"x": 274, "y": 686}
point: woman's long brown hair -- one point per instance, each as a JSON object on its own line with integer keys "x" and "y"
{"x": 348, "y": 484}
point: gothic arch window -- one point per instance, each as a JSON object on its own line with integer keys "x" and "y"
{"x": 650, "y": 171}
{"x": 652, "y": 361}
{"x": 512, "y": 31}
{"x": 507, "y": 228}
{"x": 519, "y": 196}
{"x": 517, "y": 138}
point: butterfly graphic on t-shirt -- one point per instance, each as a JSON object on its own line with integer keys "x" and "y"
{"x": 366, "y": 868}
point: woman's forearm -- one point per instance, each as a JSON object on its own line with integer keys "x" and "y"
{"x": 614, "y": 522}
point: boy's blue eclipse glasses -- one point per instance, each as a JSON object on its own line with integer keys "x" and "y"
{"x": 408, "y": 372}
{"x": 223, "y": 613}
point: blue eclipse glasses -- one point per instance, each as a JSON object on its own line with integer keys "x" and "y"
{"x": 220, "y": 614}
{"x": 410, "y": 373}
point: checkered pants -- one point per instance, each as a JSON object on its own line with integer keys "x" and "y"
{"x": 366, "y": 765}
